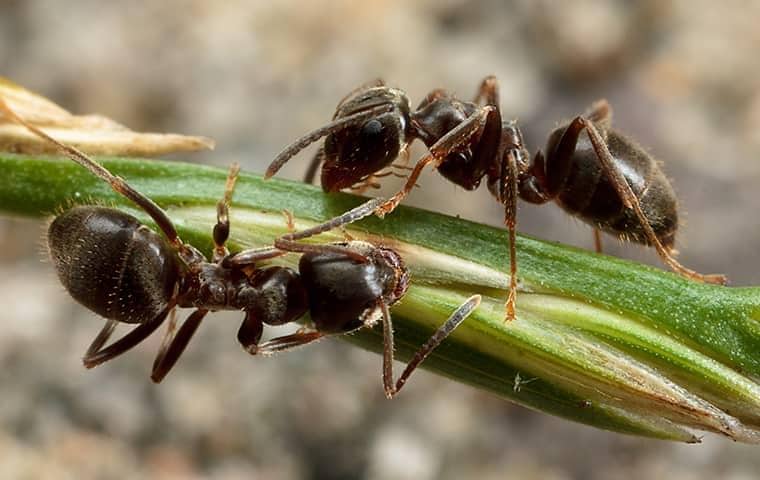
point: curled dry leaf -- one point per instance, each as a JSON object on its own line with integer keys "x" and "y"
{"x": 94, "y": 134}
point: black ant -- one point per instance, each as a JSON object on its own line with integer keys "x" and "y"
{"x": 120, "y": 269}
{"x": 610, "y": 182}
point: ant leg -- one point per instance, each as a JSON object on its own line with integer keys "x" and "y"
{"x": 432, "y": 97}
{"x": 250, "y": 333}
{"x": 531, "y": 183}
{"x": 332, "y": 127}
{"x": 629, "y": 200}
{"x": 254, "y": 255}
{"x": 284, "y": 343}
{"x": 102, "y": 337}
{"x": 290, "y": 222}
{"x": 173, "y": 345}
{"x": 297, "y": 247}
{"x": 289, "y": 242}
{"x": 597, "y": 240}
{"x": 600, "y": 113}
{"x": 488, "y": 90}
{"x": 95, "y": 357}
{"x": 222, "y": 228}
{"x": 447, "y": 144}
{"x": 311, "y": 172}
{"x": 420, "y": 355}
{"x": 118, "y": 184}
{"x": 509, "y": 198}
{"x": 251, "y": 256}
{"x": 366, "y": 183}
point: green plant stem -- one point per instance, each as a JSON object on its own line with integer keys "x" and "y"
{"x": 598, "y": 340}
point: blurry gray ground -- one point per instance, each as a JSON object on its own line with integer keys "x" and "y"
{"x": 682, "y": 76}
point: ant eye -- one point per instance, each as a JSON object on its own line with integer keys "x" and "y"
{"x": 372, "y": 128}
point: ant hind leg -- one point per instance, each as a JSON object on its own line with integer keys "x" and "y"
{"x": 174, "y": 344}
{"x": 630, "y": 201}
{"x": 96, "y": 354}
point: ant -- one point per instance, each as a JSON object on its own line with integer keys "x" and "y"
{"x": 610, "y": 182}
{"x": 120, "y": 269}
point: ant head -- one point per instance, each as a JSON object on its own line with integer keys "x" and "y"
{"x": 369, "y": 144}
{"x": 344, "y": 294}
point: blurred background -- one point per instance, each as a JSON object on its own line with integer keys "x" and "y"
{"x": 683, "y": 79}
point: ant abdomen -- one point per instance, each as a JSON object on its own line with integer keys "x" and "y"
{"x": 344, "y": 294}
{"x": 112, "y": 264}
{"x": 581, "y": 188}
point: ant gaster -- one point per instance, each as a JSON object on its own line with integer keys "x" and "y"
{"x": 610, "y": 182}
{"x": 120, "y": 269}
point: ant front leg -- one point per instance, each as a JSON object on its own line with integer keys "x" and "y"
{"x": 290, "y": 242}
{"x": 630, "y": 200}
{"x": 455, "y": 138}
{"x": 391, "y": 389}
{"x": 285, "y": 343}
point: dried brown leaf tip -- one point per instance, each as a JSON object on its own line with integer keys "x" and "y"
{"x": 93, "y": 134}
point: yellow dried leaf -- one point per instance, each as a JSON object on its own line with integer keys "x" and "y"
{"x": 93, "y": 134}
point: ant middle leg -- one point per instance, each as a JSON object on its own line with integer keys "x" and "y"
{"x": 630, "y": 200}
{"x": 456, "y": 318}
{"x": 102, "y": 337}
{"x": 508, "y": 196}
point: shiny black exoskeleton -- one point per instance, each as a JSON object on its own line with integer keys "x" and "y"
{"x": 606, "y": 180}
{"x": 120, "y": 269}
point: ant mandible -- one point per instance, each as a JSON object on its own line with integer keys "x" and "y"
{"x": 610, "y": 182}
{"x": 120, "y": 269}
